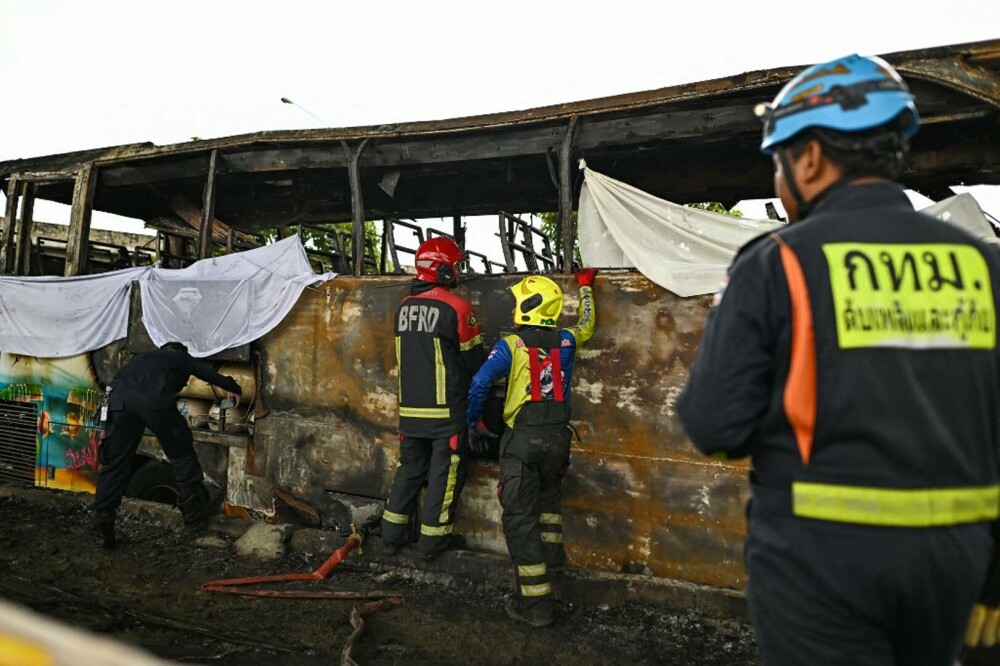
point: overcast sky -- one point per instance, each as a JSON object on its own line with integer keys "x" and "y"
{"x": 82, "y": 75}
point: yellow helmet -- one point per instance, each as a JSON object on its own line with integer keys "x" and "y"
{"x": 538, "y": 302}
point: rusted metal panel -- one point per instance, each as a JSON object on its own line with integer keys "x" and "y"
{"x": 637, "y": 498}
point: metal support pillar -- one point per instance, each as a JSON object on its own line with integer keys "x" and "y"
{"x": 208, "y": 209}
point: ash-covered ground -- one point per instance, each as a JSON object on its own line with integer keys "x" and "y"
{"x": 147, "y": 593}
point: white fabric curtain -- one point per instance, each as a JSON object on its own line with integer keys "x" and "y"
{"x": 212, "y": 305}
{"x": 226, "y": 301}
{"x": 687, "y": 250}
{"x": 59, "y": 316}
{"x": 684, "y": 250}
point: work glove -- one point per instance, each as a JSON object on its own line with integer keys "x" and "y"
{"x": 585, "y": 277}
{"x": 480, "y": 436}
{"x": 984, "y": 624}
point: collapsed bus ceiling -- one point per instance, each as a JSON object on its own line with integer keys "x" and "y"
{"x": 685, "y": 143}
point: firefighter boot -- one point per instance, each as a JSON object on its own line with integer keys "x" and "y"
{"x": 195, "y": 505}
{"x": 537, "y": 616}
{"x": 103, "y": 528}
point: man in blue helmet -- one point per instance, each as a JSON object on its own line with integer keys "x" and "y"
{"x": 854, "y": 358}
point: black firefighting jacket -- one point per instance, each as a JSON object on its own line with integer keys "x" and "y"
{"x": 155, "y": 378}
{"x": 854, "y": 356}
{"x": 438, "y": 350}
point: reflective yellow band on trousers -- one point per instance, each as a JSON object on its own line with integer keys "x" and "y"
{"x": 552, "y": 537}
{"x": 425, "y": 412}
{"x": 430, "y": 530}
{"x": 449, "y": 491}
{"x": 536, "y": 590}
{"x": 550, "y": 519}
{"x": 397, "y": 518}
{"x": 531, "y": 570}
{"x": 895, "y": 507}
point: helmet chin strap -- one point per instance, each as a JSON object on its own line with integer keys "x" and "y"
{"x": 802, "y": 206}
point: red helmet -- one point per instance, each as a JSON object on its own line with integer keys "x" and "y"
{"x": 436, "y": 259}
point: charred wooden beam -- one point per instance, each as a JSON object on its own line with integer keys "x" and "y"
{"x": 144, "y": 172}
{"x": 9, "y": 225}
{"x": 357, "y": 204}
{"x": 22, "y": 262}
{"x": 958, "y": 74}
{"x": 566, "y": 194}
{"x": 78, "y": 239}
{"x": 208, "y": 209}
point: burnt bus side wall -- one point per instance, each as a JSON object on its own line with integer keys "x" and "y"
{"x": 637, "y": 497}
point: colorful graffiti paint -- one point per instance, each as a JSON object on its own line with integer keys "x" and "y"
{"x": 67, "y": 399}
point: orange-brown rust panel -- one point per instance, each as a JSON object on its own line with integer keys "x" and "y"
{"x": 638, "y": 497}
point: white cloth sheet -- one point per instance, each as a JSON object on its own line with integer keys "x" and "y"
{"x": 214, "y": 304}
{"x": 687, "y": 250}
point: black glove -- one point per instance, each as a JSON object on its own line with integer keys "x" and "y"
{"x": 480, "y": 436}
{"x": 984, "y": 624}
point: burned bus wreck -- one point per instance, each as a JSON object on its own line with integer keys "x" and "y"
{"x": 319, "y": 444}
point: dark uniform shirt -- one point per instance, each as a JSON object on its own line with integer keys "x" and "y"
{"x": 895, "y": 381}
{"x": 438, "y": 349}
{"x": 155, "y": 378}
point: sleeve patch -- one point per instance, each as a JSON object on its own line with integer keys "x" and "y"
{"x": 720, "y": 292}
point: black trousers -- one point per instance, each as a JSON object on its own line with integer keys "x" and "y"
{"x": 123, "y": 432}
{"x": 533, "y": 462}
{"x": 441, "y": 464}
{"x": 832, "y": 593}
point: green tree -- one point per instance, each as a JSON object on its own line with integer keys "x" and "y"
{"x": 715, "y": 207}
{"x": 550, "y": 227}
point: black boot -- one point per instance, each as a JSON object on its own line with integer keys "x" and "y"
{"x": 103, "y": 528}
{"x": 195, "y": 505}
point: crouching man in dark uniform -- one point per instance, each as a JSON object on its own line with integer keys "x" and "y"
{"x": 534, "y": 450}
{"x": 144, "y": 395}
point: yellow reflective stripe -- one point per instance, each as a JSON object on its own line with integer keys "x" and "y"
{"x": 399, "y": 368}
{"x": 430, "y": 530}
{"x": 552, "y": 537}
{"x": 397, "y": 518}
{"x": 550, "y": 519}
{"x": 539, "y": 590}
{"x": 425, "y": 412}
{"x": 466, "y": 346}
{"x": 439, "y": 376}
{"x": 531, "y": 570}
{"x": 449, "y": 489}
{"x": 919, "y": 507}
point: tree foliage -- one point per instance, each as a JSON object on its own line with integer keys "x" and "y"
{"x": 715, "y": 207}
{"x": 550, "y": 227}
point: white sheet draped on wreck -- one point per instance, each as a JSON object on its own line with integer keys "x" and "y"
{"x": 687, "y": 250}
{"x": 212, "y": 305}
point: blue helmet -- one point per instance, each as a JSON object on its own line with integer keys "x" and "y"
{"x": 849, "y": 94}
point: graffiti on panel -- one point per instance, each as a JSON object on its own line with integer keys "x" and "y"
{"x": 68, "y": 405}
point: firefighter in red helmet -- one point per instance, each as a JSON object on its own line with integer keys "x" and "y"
{"x": 438, "y": 350}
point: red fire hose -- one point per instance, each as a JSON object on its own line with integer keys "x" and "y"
{"x": 384, "y": 599}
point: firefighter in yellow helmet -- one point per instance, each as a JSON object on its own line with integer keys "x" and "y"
{"x": 537, "y": 361}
